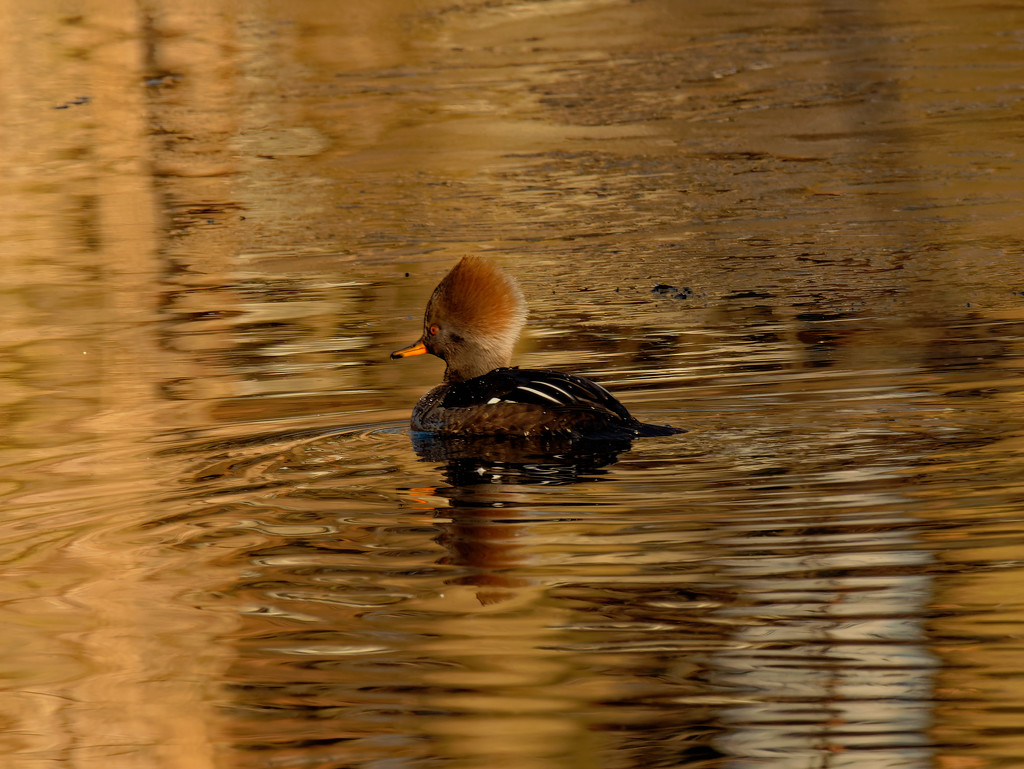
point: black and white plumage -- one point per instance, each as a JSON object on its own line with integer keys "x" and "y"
{"x": 538, "y": 387}
{"x": 538, "y": 402}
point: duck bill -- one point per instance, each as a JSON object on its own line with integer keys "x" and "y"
{"x": 418, "y": 348}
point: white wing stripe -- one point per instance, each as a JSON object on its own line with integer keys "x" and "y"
{"x": 556, "y": 389}
{"x": 539, "y": 393}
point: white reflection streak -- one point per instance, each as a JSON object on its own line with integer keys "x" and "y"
{"x": 831, "y": 666}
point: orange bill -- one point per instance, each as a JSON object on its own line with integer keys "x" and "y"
{"x": 414, "y": 349}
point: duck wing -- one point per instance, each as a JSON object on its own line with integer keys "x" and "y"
{"x": 536, "y": 387}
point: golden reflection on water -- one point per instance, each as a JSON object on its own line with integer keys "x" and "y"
{"x": 220, "y": 548}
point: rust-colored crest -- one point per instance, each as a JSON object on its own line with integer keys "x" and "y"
{"x": 479, "y": 297}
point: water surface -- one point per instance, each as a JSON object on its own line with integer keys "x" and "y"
{"x": 792, "y": 229}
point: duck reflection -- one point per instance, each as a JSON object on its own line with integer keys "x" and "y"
{"x": 471, "y": 461}
{"x": 489, "y": 506}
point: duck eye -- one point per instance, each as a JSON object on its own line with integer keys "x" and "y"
{"x": 433, "y": 330}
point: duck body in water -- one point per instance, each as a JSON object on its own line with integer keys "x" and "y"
{"x": 472, "y": 322}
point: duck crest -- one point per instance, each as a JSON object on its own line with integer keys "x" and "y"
{"x": 480, "y": 298}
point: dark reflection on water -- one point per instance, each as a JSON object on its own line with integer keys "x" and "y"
{"x": 472, "y": 461}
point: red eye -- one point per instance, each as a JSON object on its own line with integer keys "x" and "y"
{"x": 433, "y": 330}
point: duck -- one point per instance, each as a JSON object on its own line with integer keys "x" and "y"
{"x": 472, "y": 322}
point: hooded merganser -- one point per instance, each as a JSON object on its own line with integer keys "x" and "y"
{"x": 472, "y": 322}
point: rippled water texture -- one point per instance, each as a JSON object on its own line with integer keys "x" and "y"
{"x": 793, "y": 228}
